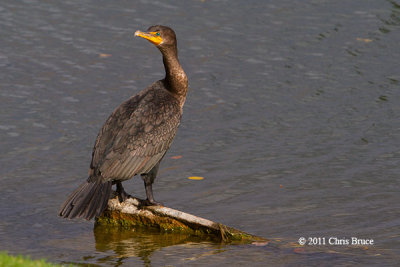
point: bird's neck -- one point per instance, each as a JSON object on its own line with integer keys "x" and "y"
{"x": 175, "y": 76}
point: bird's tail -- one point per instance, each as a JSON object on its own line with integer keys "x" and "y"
{"x": 88, "y": 200}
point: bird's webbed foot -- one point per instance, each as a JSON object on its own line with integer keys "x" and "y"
{"x": 150, "y": 199}
{"x": 148, "y": 202}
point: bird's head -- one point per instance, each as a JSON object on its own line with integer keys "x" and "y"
{"x": 160, "y": 36}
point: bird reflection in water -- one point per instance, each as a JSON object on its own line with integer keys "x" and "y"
{"x": 140, "y": 243}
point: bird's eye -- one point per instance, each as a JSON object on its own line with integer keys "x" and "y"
{"x": 158, "y": 34}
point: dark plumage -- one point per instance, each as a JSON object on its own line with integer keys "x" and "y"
{"x": 136, "y": 136}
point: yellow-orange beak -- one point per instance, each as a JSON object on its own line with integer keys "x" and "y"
{"x": 151, "y": 36}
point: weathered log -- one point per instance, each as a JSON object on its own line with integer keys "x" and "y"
{"x": 131, "y": 213}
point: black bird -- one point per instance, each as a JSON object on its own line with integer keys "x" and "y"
{"x": 136, "y": 136}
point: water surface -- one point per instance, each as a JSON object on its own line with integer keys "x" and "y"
{"x": 291, "y": 118}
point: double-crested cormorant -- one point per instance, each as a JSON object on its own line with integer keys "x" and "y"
{"x": 136, "y": 136}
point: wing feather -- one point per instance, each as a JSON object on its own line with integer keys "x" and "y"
{"x": 137, "y": 134}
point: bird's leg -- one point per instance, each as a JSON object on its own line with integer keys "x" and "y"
{"x": 148, "y": 179}
{"x": 122, "y": 195}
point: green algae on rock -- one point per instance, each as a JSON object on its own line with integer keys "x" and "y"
{"x": 131, "y": 213}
